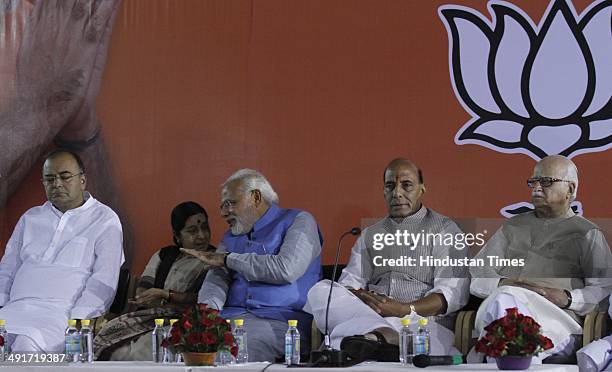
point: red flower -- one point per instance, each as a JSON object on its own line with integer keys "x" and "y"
{"x": 208, "y": 338}
{"x": 175, "y": 336}
{"x": 228, "y": 338}
{"x": 220, "y": 320}
{"x": 207, "y": 322}
{"x": 202, "y": 307}
{"x": 512, "y": 312}
{"x": 530, "y": 348}
{"x": 509, "y": 333}
{"x": 530, "y": 330}
{"x": 187, "y": 324}
{"x": 194, "y": 338}
{"x": 545, "y": 342}
{"x": 481, "y": 346}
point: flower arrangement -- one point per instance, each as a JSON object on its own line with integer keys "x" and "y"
{"x": 200, "y": 330}
{"x": 514, "y": 334}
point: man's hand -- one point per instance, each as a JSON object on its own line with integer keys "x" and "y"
{"x": 383, "y": 305}
{"x": 151, "y": 297}
{"x": 554, "y": 295}
{"x": 210, "y": 258}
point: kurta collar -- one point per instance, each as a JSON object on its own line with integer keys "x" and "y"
{"x": 415, "y": 217}
{"x": 89, "y": 202}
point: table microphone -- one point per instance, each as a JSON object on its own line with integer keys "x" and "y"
{"x": 326, "y": 356}
{"x": 423, "y": 360}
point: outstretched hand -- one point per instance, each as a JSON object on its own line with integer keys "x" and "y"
{"x": 384, "y": 305}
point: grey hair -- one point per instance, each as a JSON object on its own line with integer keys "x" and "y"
{"x": 253, "y": 180}
{"x": 571, "y": 174}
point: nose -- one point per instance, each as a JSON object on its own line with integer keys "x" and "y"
{"x": 397, "y": 191}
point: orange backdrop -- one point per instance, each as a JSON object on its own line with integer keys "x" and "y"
{"x": 318, "y": 95}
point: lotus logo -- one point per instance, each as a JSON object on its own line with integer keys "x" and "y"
{"x": 536, "y": 90}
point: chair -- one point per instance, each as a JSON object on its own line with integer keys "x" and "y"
{"x": 124, "y": 286}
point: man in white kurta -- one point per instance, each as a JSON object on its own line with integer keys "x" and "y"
{"x": 597, "y": 356}
{"x": 434, "y": 291}
{"x": 62, "y": 261}
{"x": 566, "y": 261}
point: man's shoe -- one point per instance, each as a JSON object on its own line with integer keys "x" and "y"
{"x": 361, "y": 348}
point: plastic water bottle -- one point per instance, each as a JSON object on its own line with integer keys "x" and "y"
{"x": 421, "y": 339}
{"x": 406, "y": 343}
{"x": 156, "y": 339}
{"x": 240, "y": 338}
{"x": 3, "y": 334}
{"x": 292, "y": 344}
{"x": 169, "y": 356}
{"x": 73, "y": 342}
{"x": 86, "y": 336}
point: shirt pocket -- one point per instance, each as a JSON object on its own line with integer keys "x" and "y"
{"x": 73, "y": 252}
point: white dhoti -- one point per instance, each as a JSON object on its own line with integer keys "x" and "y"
{"x": 44, "y": 323}
{"x": 555, "y": 323}
{"x": 349, "y": 316}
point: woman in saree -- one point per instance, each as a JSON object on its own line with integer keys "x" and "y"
{"x": 169, "y": 283}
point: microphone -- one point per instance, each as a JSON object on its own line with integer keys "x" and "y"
{"x": 328, "y": 357}
{"x": 423, "y": 360}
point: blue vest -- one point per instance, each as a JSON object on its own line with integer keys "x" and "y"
{"x": 272, "y": 301}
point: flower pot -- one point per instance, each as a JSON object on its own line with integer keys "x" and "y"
{"x": 199, "y": 359}
{"x": 512, "y": 362}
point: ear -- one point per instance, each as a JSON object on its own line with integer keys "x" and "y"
{"x": 571, "y": 189}
{"x": 257, "y": 198}
{"x": 83, "y": 180}
{"x": 423, "y": 189}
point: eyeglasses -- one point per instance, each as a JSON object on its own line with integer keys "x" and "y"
{"x": 228, "y": 204}
{"x": 63, "y": 177}
{"x": 543, "y": 181}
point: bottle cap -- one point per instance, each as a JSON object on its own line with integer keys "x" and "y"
{"x": 172, "y": 321}
{"x": 423, "y": 321}
{"x": 239, "y": 322}
{"x": 229, "y": 322}
{"x": 85, "y": 322}
{"x": 292, "y": 323}
{"x": 159, "y": 322}
{"x": 405, "y": 322}
{"x": 72, "y": 322}
{"x": 2, "y": 322}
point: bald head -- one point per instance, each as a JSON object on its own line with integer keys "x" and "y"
{"x": 402, "y": 162}
{"x": 554, "y": 198}
{"x": 403, "y": 188}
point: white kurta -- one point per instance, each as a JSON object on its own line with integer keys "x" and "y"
{"x": 349, "y": 316}
{"x": 59, "y": 266}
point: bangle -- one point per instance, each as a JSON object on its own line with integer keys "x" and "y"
{"x": 569, "y": 299}
{"x": 225, "y": 259}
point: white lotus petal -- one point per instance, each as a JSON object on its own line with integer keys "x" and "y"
{"x": 598, "y": 33}
{"x": 553, "y": 140}
{"x": 509, "y": 63}
{"x": 474, "y": 49}
{"x": 559, "y": 75}
{"x": 502, "y": 130}
{"x": 600, "y": 129}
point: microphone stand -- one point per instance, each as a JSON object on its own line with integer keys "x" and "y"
{"x": 326, "y": 356}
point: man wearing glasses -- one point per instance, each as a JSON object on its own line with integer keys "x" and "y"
{"x": 566, "y": 261}
{"x": 62, "y": 261}
{"x": 264, "y": 266}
